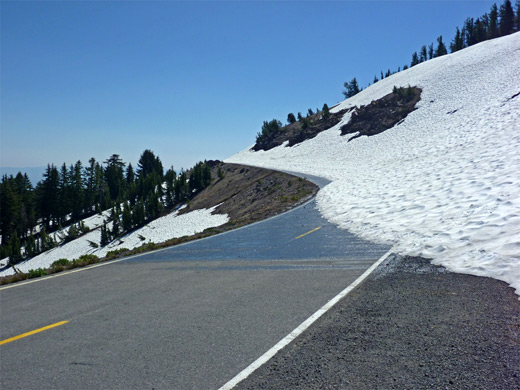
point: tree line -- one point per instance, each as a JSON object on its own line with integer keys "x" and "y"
{"x": 496, "y": 23}
{"x": 68, "y": 194}
{"x": 272, "y": 128}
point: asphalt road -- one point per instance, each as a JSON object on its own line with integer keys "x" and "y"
{"x": 187, "y": 317}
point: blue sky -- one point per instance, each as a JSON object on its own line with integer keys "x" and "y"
{"x": 190, "y": 80}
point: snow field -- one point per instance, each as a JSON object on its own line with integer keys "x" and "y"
{"x": 443, "y": 184}
{"x": 157, "y": 231}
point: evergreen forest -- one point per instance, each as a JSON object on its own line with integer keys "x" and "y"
{"x": 68, "y": 194}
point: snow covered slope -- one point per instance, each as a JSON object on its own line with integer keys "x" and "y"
{"x": 159, "y": 230}
{"x": 445, "y": 183}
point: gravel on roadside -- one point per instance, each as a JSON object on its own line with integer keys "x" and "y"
{"x": 409, "y": 325}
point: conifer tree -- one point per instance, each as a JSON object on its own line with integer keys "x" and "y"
{"x": 457, "y": 43}
{"x": 424, "y": 54}
{"x": 148, "y": 164}
{"x": 310, "y": 112}
{"x": 15, "y": 254}
{"x": 105, "y": 239}
{"x": 351, "y": 88}
{"x": 469, "y": 32}
{"x": 517, "y": 16}
{"x": 430, "y": 51}
{"x": 138, "y": 214}
{"x": 77, "y": 191}
{"x": 415, "y": 59}
{"x": 291, "y": 118}
{"x": 375, "y": 79}
{"x": 493, "y": 22}
{"x": 479, "y": 31}
{"x": 206, "y": 174}
{"x": 127, "y": 217}
{"x": 130, "y": 175}
{"x": 325, "y": 111}
{"x": 441, "y": 48}
{"x": 507, "y": 18}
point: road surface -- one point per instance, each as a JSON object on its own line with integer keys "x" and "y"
{"x": 186, "y": 317}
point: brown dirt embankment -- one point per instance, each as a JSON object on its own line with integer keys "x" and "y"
{"x": 249, "y": 194}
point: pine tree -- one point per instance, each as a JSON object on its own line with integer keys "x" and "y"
{"x": 15, "y": 254}
{"x": 77, "y": 191}
{"x": 375, "y": 79}
{"x": 114, "y": 217}
{"x": 424, "y": 54}
{"x": 415, "y": 59}
{"x": 479, "y": 31}
{"x": 105, "y": 239}
{"x": 148, "y": 164}
{"x": 9, "y": 210}
{"x": 507, "y": 18}
{"x": 114, "y": 177}
{"x": 206, "y": 174}
{"x": 430, "y": 51}
{"x": 351, "y": 88}
{"x": 325, "y": 111}
{"x": 310, "y": 112}
{"x": 47, "y": 199}
{"x": 291, "y": 118}
{"x": 138, "y": 215}
{"x": 127, "y": 217}
{"x": 469, "y": 32}
{"x": 457, "y": 43}
{"x": 130, "y": 175}
{"x": 493, "y": 22}
{"x": 441, "y": 48}
{"x": 517, "y": 16}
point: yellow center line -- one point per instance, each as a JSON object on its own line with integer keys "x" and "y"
{"x": 304, "y": 234}
{"x": 32, "y": 332}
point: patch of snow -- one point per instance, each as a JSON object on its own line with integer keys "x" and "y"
{"x": 442, "y": 184}
{"x": 157, "y": 231}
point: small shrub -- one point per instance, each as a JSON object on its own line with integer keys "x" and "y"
{"x": 115, "y": 253}
{"x": 85, "y": 260}
{"x": 61, "y": 262}
{"x": 35, "y": 273}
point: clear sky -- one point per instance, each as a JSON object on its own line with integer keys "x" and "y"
{"x": 190, "y": 80}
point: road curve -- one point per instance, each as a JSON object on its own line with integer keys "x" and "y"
{"x": 186, "y": 317}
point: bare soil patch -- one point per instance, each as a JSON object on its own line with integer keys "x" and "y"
{"x": 249, "y": 194}
{"x": 382, "y": 114}
{"x": 302, "y": 130}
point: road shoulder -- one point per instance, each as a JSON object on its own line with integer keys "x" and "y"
{"x": 409, "y": 325}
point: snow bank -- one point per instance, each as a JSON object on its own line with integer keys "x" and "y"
{"x": 445, "y": 183}
{"x": 157, "y": 231}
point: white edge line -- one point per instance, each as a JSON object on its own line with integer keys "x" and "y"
{"x": 300, "y": 329}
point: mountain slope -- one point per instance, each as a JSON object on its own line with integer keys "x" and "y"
{"x": 442, "y": 184}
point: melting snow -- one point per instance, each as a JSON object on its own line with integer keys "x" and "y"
{"x": 157, "y": 231}
{"x": 443, "y": 184}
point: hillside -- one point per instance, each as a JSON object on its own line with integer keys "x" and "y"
{"x": 443, "y": 183}
{"x": 240, "y": 195}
